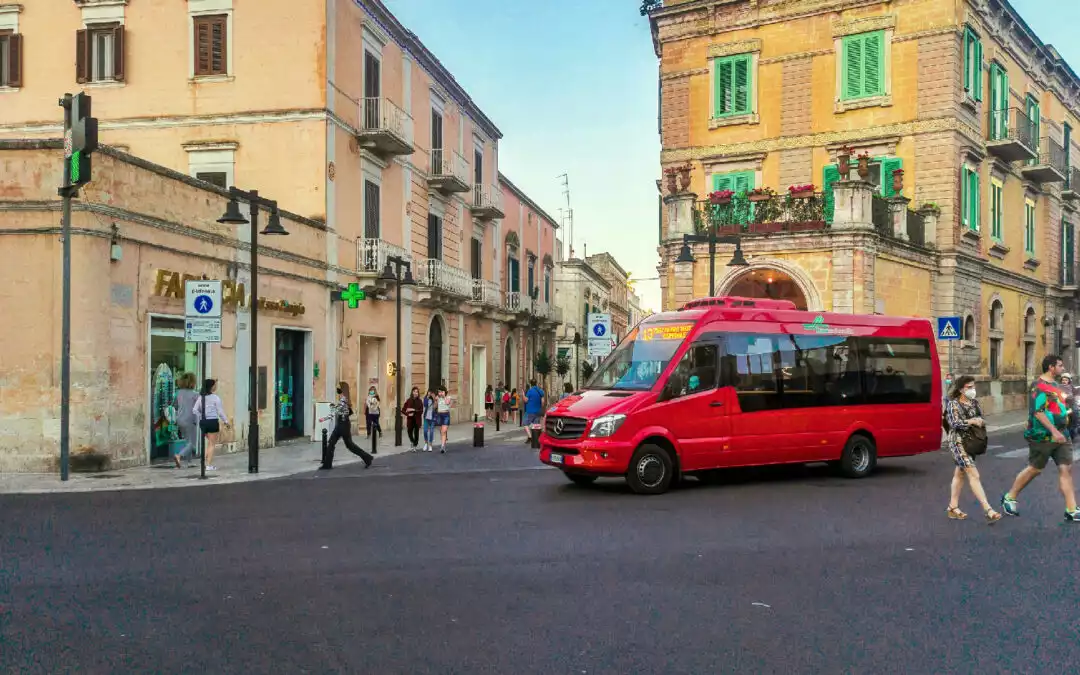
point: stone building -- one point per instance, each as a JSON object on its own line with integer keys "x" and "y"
{"x": 966, "y": 122}
{"x": 580, "y": 290}
{"x": 617, "y": 278}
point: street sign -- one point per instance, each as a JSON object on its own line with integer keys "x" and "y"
{"x": 599, "y": 347}
{"x": 948, "y": 328}
{"x": 202, "y": 299}
{"x": 599, "y": 325}
{"x": 198, "y": 329}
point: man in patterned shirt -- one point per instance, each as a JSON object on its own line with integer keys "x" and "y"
{"x": 1048, "y": 417}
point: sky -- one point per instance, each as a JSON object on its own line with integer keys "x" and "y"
{"x": 572, "y": 86}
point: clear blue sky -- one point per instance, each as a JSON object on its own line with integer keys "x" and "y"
{"x": 572, "y": 86}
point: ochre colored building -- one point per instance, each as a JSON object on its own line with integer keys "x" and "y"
{"x": 967, "y": 122}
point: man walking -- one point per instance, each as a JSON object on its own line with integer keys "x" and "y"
{"x": 534, "y": 408}
{"x": 1047, "y": 419}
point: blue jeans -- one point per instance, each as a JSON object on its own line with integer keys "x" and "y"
{"x": 429, "y": 431}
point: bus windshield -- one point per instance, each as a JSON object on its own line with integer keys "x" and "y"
{"x": 639, "y": 359}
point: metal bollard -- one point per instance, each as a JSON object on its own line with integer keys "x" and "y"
{"x": 498, "y": 417}
{"x": 521, "y": 416}
{"x": 478, "y": 432}
{"x": 325, "y": 445}
{"x": 374, "y": 440}
{"x": 534, "y": 433}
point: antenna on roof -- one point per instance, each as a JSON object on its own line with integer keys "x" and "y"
{"x": 569, "y": 218}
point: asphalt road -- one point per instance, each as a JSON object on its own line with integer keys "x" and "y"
{"x": 477, "y": 562}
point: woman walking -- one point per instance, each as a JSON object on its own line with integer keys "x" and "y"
{"x": 413, "y": 409}
{"x": 343, "y": 430}
{"x": 963, "y": 414}
{"x": 372, "y": 412}
{"x": 442, "y": 415}
{"x": 213, "y": 419}
{"x": 429, "y": 420}
{"x": 185, "y": 417}
{"x": 489, "y": 402}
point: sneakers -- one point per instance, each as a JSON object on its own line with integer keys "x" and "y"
{"x": 211, "y": 467}
{"x": 1009, "y": 506}
{"x": 442, "y": 451}
{"x": 1072, "y": 516}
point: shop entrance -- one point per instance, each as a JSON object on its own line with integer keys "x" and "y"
{"x": 289, "y": 383}
{"x": 170, "y": 358}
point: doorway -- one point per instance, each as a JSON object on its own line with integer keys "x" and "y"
{"x": 435, "y": 354}
{"x": 169, "y": 358}
{"x": 479, "y": 378}
{"x": 289, "y": 384}
{"x": 509, "y": 357}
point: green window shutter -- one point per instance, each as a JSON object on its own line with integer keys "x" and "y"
{"x": 722, "y": 181}
{"x": 888, "y": 165}
{"x": 995, "y": 212}
{"x": 965, "y": 197}
{"x": 744, "y": 182}
{"x": 976, "y": 72}
{"x": 852, "y": 75}
{"x": 975, "y": 201}
{"x": 830, "y": 176}
{"x": 722, "y": 93}
{"x": 967, "y": 60}
{"x": 873, "y": 65}
{"x": 741, "y": 84}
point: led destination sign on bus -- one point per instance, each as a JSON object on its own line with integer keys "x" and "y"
{"x": 665, "y": 332}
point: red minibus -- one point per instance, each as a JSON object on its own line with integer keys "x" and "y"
{"x": 729, "y": 382}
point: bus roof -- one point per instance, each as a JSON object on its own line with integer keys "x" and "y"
{"x": 734, "y": 312}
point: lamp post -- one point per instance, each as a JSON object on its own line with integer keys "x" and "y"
{"x": 577, "y": 360}
{"x": 395, "y": 266}
{"x": 233, "y": 216}
{"x": 712, "y": 239}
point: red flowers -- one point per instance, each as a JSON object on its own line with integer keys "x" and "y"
{"x": 796, "y": 189}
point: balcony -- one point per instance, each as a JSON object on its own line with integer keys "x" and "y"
{"x": 517, "y": 302}
{"x": 371, "y": 257}
{"x": 1049, "y": 165}
{"x": 486, "y": 202}
{"x": 762, "y": 214}
{"x": 385, "y": 129}
{"x": 1011, "y": 136}
{"x": 448, "y": 173}
{"x": 440, "y": 284}
{"x": 486, "y": 298}
{"x": 1072, "y": 185}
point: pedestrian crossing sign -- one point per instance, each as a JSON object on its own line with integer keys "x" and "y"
{"x": 948, "y": 328}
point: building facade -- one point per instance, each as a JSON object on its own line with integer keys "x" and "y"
{"x": 618, "y": 305}
{"x": 959, "y": 123}
{"x": 356, "y": 126}
{"x": 580, "y": 290}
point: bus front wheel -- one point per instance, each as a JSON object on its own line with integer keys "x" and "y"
{"x": 859, "y": 457}
{"x": 651, "y": 470}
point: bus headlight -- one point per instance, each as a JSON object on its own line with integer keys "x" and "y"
{"x": 605, "y": 426}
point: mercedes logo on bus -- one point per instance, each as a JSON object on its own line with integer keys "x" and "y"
{"x": 558, "y": 427}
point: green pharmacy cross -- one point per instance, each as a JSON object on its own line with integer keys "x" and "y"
{"x": 353, "y": 295}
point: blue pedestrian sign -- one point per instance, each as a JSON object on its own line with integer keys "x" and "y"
{"x": 203, "y": 304}
{"x": 948, "y": 328}
{"x": 599, "y": 330}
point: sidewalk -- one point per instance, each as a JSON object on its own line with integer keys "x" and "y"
{"x": 278, "y": 462}
{"x": 1006, "y": 421}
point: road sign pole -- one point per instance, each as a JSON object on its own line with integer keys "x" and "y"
{"x": 65, "y": 316}
{"x": 202, "y": 407}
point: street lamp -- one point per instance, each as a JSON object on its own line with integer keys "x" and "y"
{"x": 577, "y": 360}
{"x": 712, "y": 239}
{"x": 393, "y": 272}
{"x": 232, "y": 216}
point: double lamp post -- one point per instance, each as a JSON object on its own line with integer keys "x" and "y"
{"x": 399, "y": 272}
{"x": 233, "y": 216}
{"x": 712, "y": 239}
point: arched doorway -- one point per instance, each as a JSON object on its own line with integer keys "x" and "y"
{"x": 435, "y": 354}
{"x": 509, "y": 357}
{"x": 769, "y": 283}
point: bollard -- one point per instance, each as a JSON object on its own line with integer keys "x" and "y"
{"x": 325, "y": 445}
{"x": 478, "y": 432}
{"x": 534, "y": 433}
{"x": 374, "y": 440}
{"x": 521, "y": 416}
{"x": 498, "y": 417}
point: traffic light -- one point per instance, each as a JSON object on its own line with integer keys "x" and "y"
{"x": 84, "y": 141}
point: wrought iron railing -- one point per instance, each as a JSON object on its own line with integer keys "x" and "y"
{"x": 486, "y": 293}
{"x": 371, "y": 254}
{"x": 380, "y": 114}
{"x": 1012, "y": 124}
{"x": 1052, "y": 154}
{"x": 1073, "y": 181}
{"x": 485, "y": 197}
{"x": 516, "y": 301}
{"x": 449, "y": 163}
{"x": 445, "y": 277}
{"x": 750, "y": 215}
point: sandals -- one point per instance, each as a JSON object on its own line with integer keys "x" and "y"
{"x": 955, "y": 513}
{"x": 992, "y": 516}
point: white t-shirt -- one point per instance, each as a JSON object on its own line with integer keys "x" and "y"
{"x": 442, "y": 404}
{"x": 372, "y": 405}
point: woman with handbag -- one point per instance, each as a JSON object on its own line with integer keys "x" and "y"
{"x": 967, "y": 439}
{"x": 211, "y": 422}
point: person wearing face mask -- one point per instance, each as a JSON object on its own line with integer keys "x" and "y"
{"x": 413, "y": 410}
{"x": 963, "y": 414}
{"x": 372, "y": 412}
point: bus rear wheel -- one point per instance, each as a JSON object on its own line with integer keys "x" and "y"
{"x": 581, "y": 479}
{"x": 651, "y": 470}
{"x": 859, "y": 457}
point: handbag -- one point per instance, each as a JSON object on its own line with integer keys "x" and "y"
{"x": 974, "y": 439}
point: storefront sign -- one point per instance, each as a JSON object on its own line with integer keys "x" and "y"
{"x": 169, "y": 284}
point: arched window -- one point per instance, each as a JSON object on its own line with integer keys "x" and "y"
{"x": 969, "y": 328}
{"x": 997, "y": 322}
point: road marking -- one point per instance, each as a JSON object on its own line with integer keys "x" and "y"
{"x": 995, "y": 447}
{"x": 1023, "y": 452}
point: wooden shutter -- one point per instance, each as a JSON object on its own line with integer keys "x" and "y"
{"x": 211, "y": 45}
{"x": 434, "y": 242}
{"x": 967, "y": 60}
{"x": 741, "y": 77}
{"x": 478, "y": 167}
{"x": 723, "y": 93}
{"x": 830, "y": 175}
{"x": 202, "y": 46}
{"x": 976, "y": 199}
{"x": 118, "y": 53}
{"x": 436, "y": 130}
{"x": 371, "y": 210}
{"x": 722, "y": 181}
{"x": 744, "y": 182}
{"x": 477, "y": 264}
{"x": 82, "y": 56}
{"x": 888, "y": 165}
{"x": 873, "y": 80}
{"x": 14, "y": 46}
{"x": 852, "y": 66}
{"x": 977, "y": 71}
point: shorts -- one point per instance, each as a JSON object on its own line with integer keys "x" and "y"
{"x": 532, "y": 418}
{"x": 211, "y": 426}
{"x": 489, "y": 406}
{"x": 442, "y": 419}
{"x": 1040, "y": 453}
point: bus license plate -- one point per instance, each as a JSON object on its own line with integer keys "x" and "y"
{"x": 556, "y": 458}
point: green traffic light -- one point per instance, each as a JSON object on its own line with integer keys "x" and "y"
{"x": 74, "y": 164}
{"x": 353, "y": 295}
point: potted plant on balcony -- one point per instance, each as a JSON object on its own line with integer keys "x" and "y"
{"x": 898, "y": 181}
{"x": 721, "y": 197}
{"x": 931, "y": 208}
{"x": 864, "y": 165}
{"x": 843, "y": 162}
{"x": 670, "y": 174}
{"x": 760, "y": 194}
{"x": 684, "y": 176}
{"x": 802, "y": 191}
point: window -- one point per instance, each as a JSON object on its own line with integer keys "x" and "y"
{"x": 547, "y": 284}
{"x": 372, "y": 87}
{"x": 696, "y": 372}
{"x": 638, "y": 361}
{"x": 478, "y": 166}
{"x": 896, "y": 370}
{"x": 434, "y": 237}
{"x": 999, "y": 103}
{"x": 99, "y": 53}
{"x": 218, "y": 178}
{"x": 1068, "y": 160}
{"x": 1029, "y": 228}
{"x": 513, "y": 274}
{"x": 969, "y": 329}
{"x": 210, "y": 45}
{"x": 436, "y": 130}
{"x": 1029, "y": 321}
{"x": 732, "y": 86}
{"x": 476, "y": 253}
{"x": 532, "y": 274}
{"x": 371, "y": 210}
{"x": 1068, "y": 254}
{"x": 997, "y": 321}
{"x": 969, "y": 198}
{"x": 973, "y": 63}
{"x": 1034, "y": 115}
{"x": 862, "y": 72}
{"x": 996, "y": 207}
{"x": 10, "y": 59}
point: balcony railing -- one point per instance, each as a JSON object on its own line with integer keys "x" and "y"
{"x": 449, "y": 171}
{"x": 1072, "y": 185}
{"x": 1012, "y": 136}
{"x": 486, "y": 293}
{"x": 371, "y": 255}
{"x": 517, "y": 302}
{"x": 916, "y": 227}
{"x": 760, "y": 215}
{"x": 385, "y": 127}
{"x": 1048, "y": 166}
{"x": 486, "y": 202}
{"x": 439, "y": 275}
